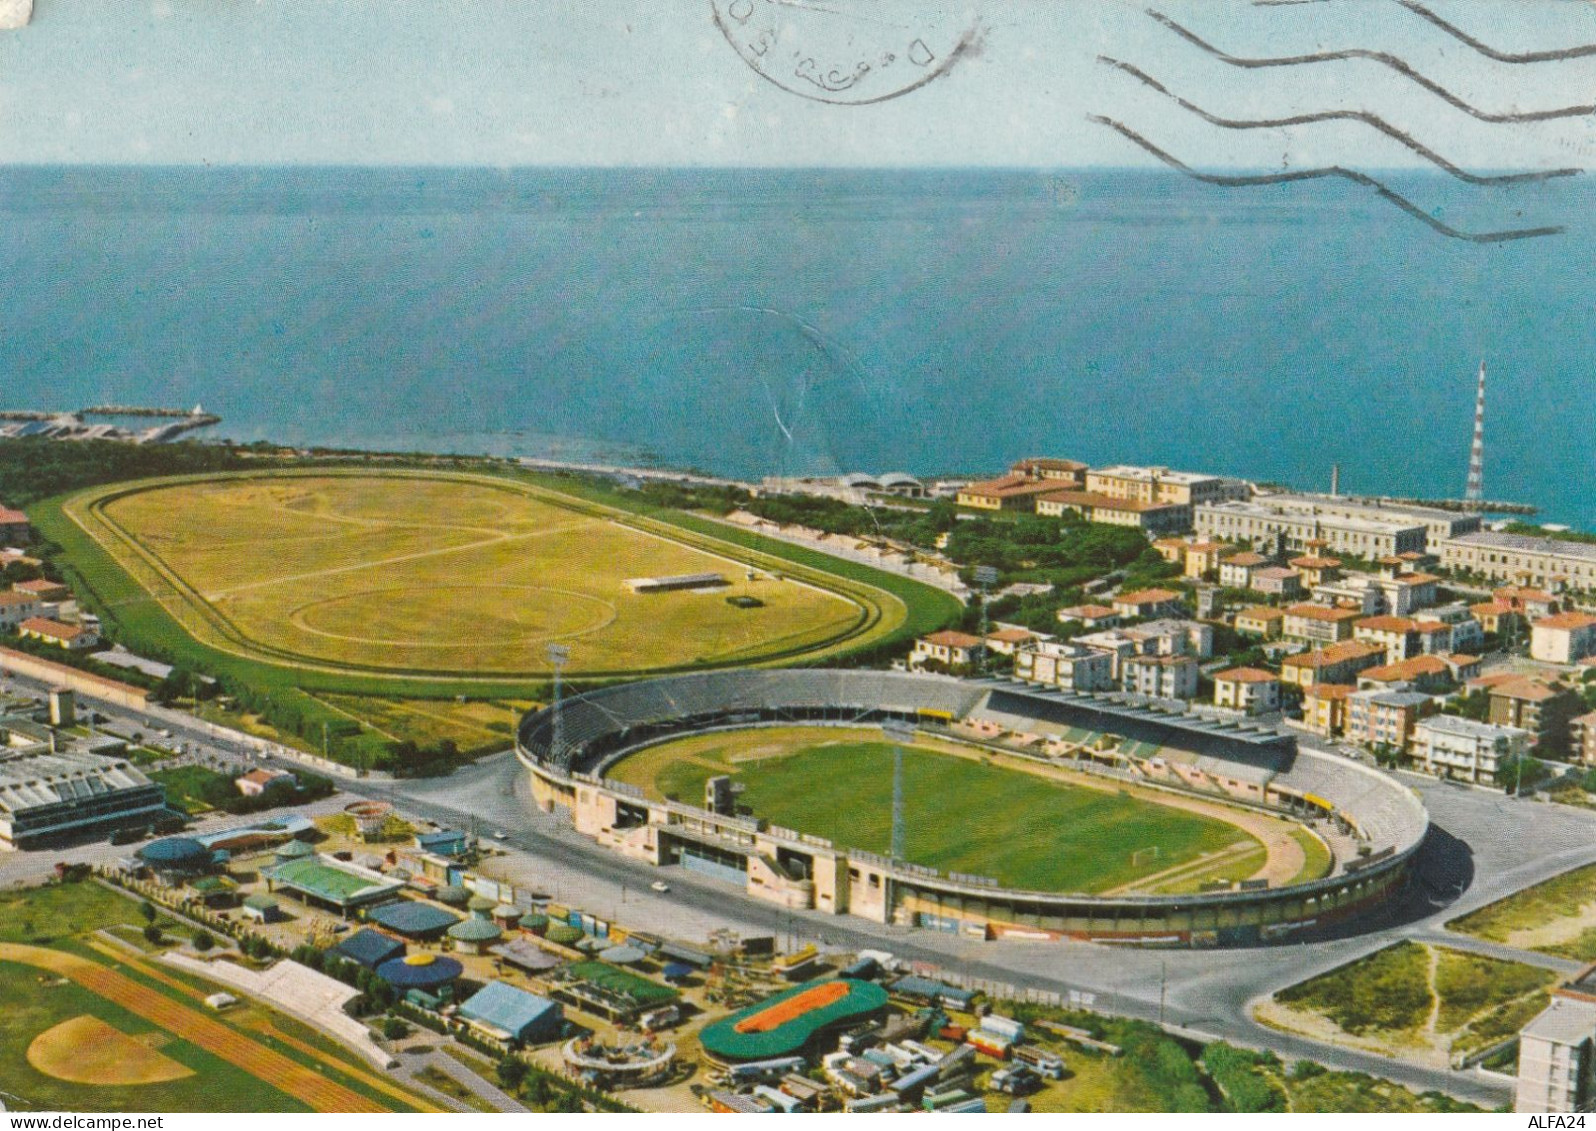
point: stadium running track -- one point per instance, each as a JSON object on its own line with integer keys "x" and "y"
{"x": 304, "y": 1084}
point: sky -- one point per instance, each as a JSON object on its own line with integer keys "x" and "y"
{"x": 655, "y": 82}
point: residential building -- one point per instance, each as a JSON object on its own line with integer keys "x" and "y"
{"x": 1066, "y": 473}
{"x": 1261, "y": 620}
{"x": 1161, "y": 485}
{"x": 1399, "y": 636}
{"x": 1236, "y": 569}
{"x": 1533, "y": 603}
{"x": 1270, "y": 529}
{"x": 1498, "y": 617}
{"x": 1091, "y": 616}
{"x": 1385, "y": 718}
{"x": 1339, "y": 663}
{"x": 1468, "y": 634}
{"x": 44, "y": 590}
{"x": 947, "y": 649}
{"x": 1318, "y": 624}
{"x": 1152, "y": 518}
{"x": 1277, "y": 581}
{"x": 1563, "y": 638}
{"x": 1149, "y": 603}
{"x": 17, "y": 607}
{"x": 1010, "y": 493}
{"x": 1582, "y": 738}
{"x": 1557, "y": 1052}
{"x": 1324, "y": 708}
{"x": 14, "y": 528}
{"x": 1422, "y": 673}
{"x": 1545, "y": 563}
{"x": 1160, "y": 677}
{"x": 1544, "y": 709}
{"x": 72, "y": 637}
{"x": 1251, "y": 690}
{"x": 1069, "y": 667}
{"x": 1172, "y": 636}
{"x": 257, "y": 782}
{"x": 1202, "y": 558}
{"x": 1315, "y": 569}
{"x": 1357, "y": 592}
{"x": 1459, "y": 748}
{"x": 1172, "y": 550}
{"x": 1007, "y": 641}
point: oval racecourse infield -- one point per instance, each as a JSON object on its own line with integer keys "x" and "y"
{"x": 400, "y": 580}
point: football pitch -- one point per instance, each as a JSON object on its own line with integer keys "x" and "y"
{"x": 422, "y": 575}
{"x": 961, "y": 814}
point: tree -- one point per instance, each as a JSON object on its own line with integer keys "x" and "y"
{"x": 203, "y": 940}
{"x": 147, "y": 910}
{"x": 512, "y": 1072}
{"x": 152, "y": 933}
{"x": 395, "y": 1029}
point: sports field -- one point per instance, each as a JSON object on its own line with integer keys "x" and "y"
{"x": 417, "y": 575}
{"x": 962, "y": 814}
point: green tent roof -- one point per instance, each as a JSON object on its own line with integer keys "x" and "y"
{"x": 724, "y": 1039}
{"x": 295, "y": 850}
{"x": 260, "y": 901}
{"x": 475, "y": 930}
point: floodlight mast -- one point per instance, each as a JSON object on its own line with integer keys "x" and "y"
{"x": 558, "y": 655}
{"x": 984, "y": 576}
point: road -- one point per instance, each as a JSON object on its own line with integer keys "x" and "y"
{"x": 1482, "y": 846}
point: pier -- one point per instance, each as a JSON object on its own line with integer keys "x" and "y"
{"x": 75, "y": 425}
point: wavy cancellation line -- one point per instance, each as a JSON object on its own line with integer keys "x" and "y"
{"x": 1553, "y": 55}
{"x": 1400, "y": 66}
{"x": 1372, "y": 120}
{"x": 1326, "y": 172}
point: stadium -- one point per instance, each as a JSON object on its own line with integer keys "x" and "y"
{"x": 1128, "y": 749}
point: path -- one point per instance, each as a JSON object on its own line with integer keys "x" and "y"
{"x": 271, "y": 1067}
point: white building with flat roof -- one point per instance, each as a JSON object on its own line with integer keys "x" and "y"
{"x": 1523, "y": 559}
{"x": 1264, "y": 524}
{"x": 1465, "y": 749}
{"x": 1438, "y": 524}
{"x": 1557, "y": 1057}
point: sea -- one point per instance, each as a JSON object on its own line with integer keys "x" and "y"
{"x": 821, "y": 321}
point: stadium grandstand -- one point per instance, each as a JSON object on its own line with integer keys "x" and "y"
{"x": 1372, "y": 824}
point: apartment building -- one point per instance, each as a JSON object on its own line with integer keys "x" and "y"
{"x": 948, "y": 649}
{"x": 1463, "y": 749}
{"x": 1557, "y": 1052}
{"x": 1062, "y": 473}
{"x": 1319, "y": 624}
{"x": 1438, "y": 524}
{"x": 1261, "y": 620}
{"x": 1385, "y": 718}
{"x": 1151, "y": 518}
{"x": 1563, "y": 638}
{"x": 1010, "y": 493}
{"x": 1159, "y": 677}
{"x": 1545, "y": 709}
{"x": 1069, "y": 667}
{"x": 1252, "y": 690}
{"x": 1339, "y": 663}
{"x": 1324, "y": 708}
{"x": 1582, "y": 738}
{"x": 1148, "y": 603}
{"x": 1236, "y": 569}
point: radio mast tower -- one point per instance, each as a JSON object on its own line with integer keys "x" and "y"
{"x": 1475, "y": 491}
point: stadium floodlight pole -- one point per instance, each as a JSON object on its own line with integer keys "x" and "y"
{"x": 558, "y": 655}
{"x": 984, "y": 576}
{"x": 900, "y": 733}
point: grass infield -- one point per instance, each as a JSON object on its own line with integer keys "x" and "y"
{"x": 961, "y": 815}
{"x": 436, "y": 584}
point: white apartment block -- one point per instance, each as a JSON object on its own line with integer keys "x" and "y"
{"x": 1438, "y": 524}
{"x": 1557, "y": 1057}
{"x": 1068, "y": 667}
{"x": 1159, "y": 677}
{"x": 1564, "y": 638}
{"x": 1465, "y": 749}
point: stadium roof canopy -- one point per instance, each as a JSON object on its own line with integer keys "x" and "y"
{"x": 782, "y": 1025}
{"x": 411, "y": 918}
